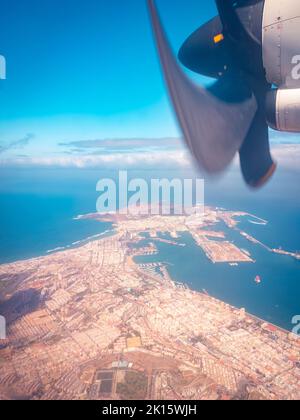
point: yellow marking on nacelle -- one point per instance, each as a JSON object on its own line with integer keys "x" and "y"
{"x": 218, "y": 38}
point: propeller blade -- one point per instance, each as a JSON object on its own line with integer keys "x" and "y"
{"x": 230, "y": 20}
{"x": 256, "y": 161}
{"x": 242, "y": 19}
{"x": 213, "y": 124}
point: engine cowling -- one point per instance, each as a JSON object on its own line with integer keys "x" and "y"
{"x": 281, "y": 51}
{"x": 283, "y": 110}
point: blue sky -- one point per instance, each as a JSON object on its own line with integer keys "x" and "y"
{"x": 86, "y": 70}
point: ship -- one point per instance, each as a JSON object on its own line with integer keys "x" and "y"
{"x": 257, "y": 280}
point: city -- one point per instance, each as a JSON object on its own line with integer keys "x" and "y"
{"x": 91, "y": 323}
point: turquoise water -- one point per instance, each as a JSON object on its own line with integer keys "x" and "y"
{"x": 37, "y": 215}
{"x": 37, "y": 211}
{"x": 276, "y": 299}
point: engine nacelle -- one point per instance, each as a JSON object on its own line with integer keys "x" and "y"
{"x": 283, "y": 110}
{"x": 281, "y": 49}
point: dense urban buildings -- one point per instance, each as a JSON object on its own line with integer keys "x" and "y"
{"x": 92, "y": 323}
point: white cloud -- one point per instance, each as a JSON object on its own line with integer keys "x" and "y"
{"x": 286, "y": 155}
{"x": 162, "y": 159}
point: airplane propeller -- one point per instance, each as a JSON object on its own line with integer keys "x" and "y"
{"x": 228, "y": 117}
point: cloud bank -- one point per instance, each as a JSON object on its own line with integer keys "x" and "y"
{"x": 110, "y": 161}
{"x": 135, "y": 153}
{"x": 123, "y": 144}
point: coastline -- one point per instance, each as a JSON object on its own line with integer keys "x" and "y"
{"x": 136, "y": 227}
{"x": 90, "y": 307}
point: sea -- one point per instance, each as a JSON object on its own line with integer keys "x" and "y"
{"x": 39, "y": 211}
